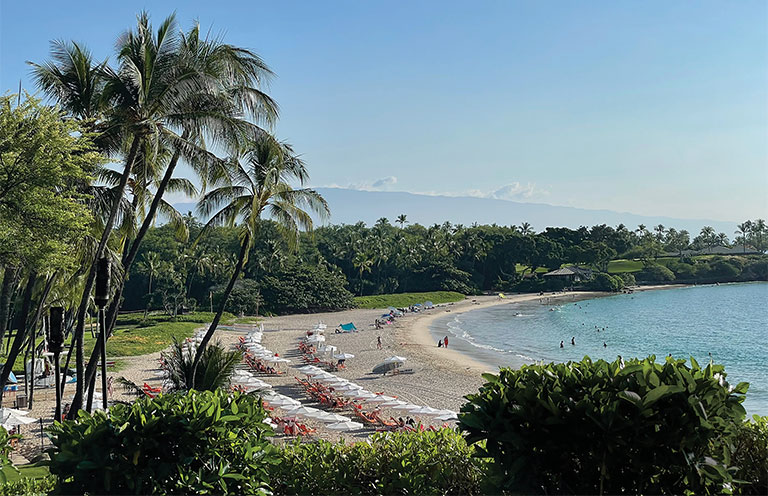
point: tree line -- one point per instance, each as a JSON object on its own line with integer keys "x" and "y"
{"x": 329, "y": 266}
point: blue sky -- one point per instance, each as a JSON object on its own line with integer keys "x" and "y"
{"x": 656, "y": 108}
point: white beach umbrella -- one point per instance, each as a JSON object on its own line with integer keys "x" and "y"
{"x": 407, "y": 407}
{"x": 332, "y": 418}
{"x": 321, "y": 374}
{"x": 362, "y": 395}
{"x": 307, "y": 368}
{"x": 425, "y": 410}
{"x": 393, "y": 403}
{"x": 345, "y": 426}
{"x": 10, "y": 418}
{"x": 316, "y": 339}
{"x": 302, "y": 411}
{"x": 379, "y": 398}
{"x": 395, "y": 359}
{"x": 343, "y": 356}
{"x": 447, "y": 417}
{"x": 349, "y": 387}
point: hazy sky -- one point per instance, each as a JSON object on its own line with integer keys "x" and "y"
{"x": 657, "y": 108}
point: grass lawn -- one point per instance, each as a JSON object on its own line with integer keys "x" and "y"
{"x": 31, "y": 470}
{"x": 401, "y": 300}
{"x": 135, "y": 336}
{"x": 619, "y": 266}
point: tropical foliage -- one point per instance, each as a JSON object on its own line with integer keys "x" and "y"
{"x": 213, "y": 372}
{"x": 427, "y": 462}
{"x": 608, "y": 428}
{"x": 210, "y": 442}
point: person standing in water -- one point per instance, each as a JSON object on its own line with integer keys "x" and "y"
{"x": 561, "y": 344}
{"x": 445, "y": 342}
{"x": 573, "y": 340}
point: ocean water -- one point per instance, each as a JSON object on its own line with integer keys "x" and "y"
{"x": 728, "y": 322}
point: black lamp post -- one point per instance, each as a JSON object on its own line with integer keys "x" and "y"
{"x": 55, "y": 345}
{"x": 101, "y": 298}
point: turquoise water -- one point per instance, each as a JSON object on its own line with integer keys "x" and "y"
{"x": 729, "y": 321}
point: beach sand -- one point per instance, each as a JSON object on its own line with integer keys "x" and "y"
{"x": 441, "y": 378}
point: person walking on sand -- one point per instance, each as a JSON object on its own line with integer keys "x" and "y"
{"x": 378, "y": 342}
{"x": 445, "y": 342}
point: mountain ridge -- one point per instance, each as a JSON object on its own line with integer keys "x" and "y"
{"x": 349, "y": 206}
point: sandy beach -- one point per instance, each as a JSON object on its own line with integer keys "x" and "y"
{"x": 441, "y": 378}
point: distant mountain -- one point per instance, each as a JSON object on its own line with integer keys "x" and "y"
{"x": 349, "y": 206}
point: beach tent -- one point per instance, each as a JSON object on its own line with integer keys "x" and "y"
{"x": 348, "y": 327}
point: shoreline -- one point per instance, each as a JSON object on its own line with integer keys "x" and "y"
{"x": 421, "y": 333}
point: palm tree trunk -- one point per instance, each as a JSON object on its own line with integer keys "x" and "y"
{"x": 128, "y": 259}
{"x": 220, "y": 312}
{"x": 19, "y": 340}
{"x": 149, "y": 292}
{"x": 9, "y": 279}
{"x": 32, "y": 335}
{"x": 83, "y": 308}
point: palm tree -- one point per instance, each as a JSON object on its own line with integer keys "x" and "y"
{"x": 259, "y": 182}
{"x": 402, "y": 220}
{"x": 169, "y": 93}
{"x": 708, "y": 237}
{"x": 526, "y": 229}
{"x": 149, "y": 266}
{"x": 660, "y": 229}
{"x": 758, "y": 231}
{"x": 744, "y": 229}
{"x": 722, "y": 239}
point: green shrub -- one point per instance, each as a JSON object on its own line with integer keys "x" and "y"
{"x": 303, "y": 288}
{"x": 427, "y": 462}
{"x": 655, "y": 273}
{"x": 751, "y": 456}
{"x": 605, "y": 282}
{"x": 628, "y": 278}
{"x": 192, "y": 443}
{"x": 599, "y": 427}
{"x": 28, "y": 486}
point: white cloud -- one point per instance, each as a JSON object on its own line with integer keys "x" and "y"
{"x": 515, "y": 191}
{"x": 384, "y": 182}
{"x": 375, "y": 185}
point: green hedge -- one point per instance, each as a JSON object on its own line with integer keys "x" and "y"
{"x": 402, "y": 300}
{"x": 187, "y": 443}
{"x": 426, "y": 462}
{"x": 751, "y": 456}
{"x": 598, "y": 427}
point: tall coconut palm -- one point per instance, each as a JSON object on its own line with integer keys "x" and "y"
{"x": 149, "y": 266}
{"x": 171, "y": 91}
{"x": 256, "y": 183}
{"x": 526, "y": 229}
{"x": 402, "y": 219}
{"x": 744, "y": 229}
